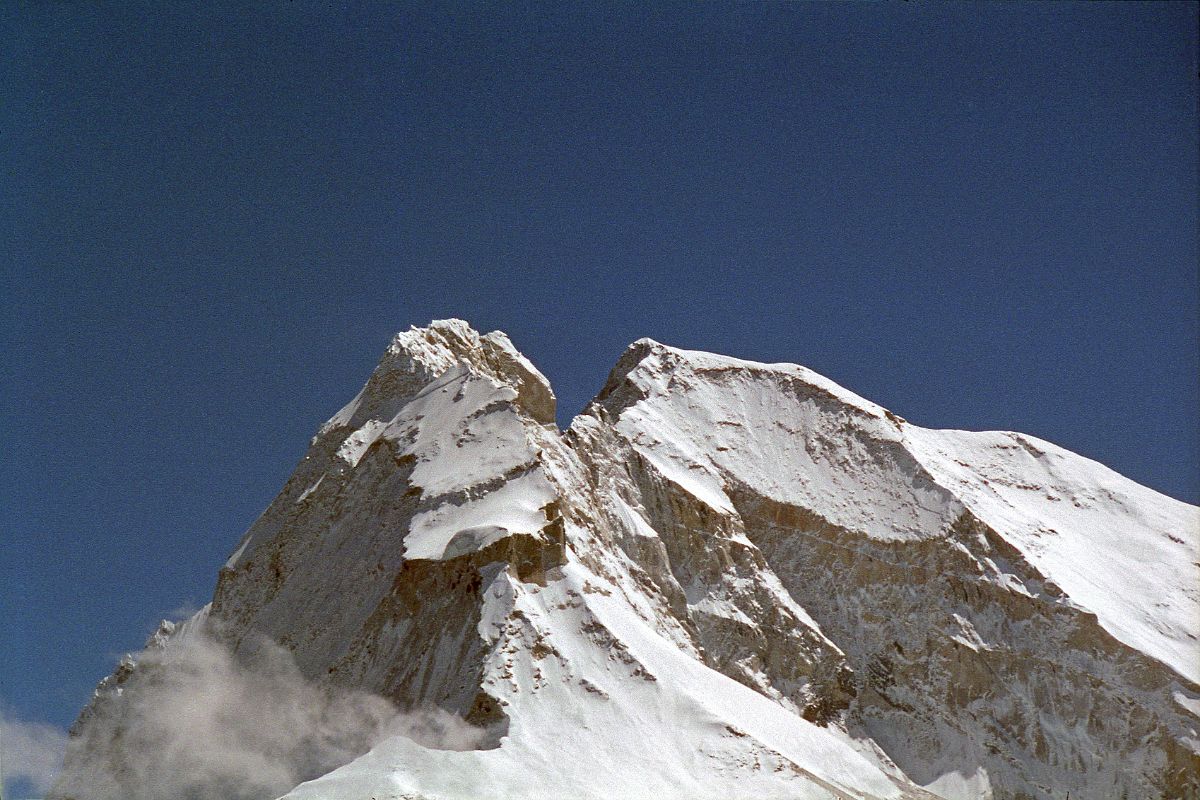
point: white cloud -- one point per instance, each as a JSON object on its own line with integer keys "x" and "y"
{"x": 30, "y": 751}
{"x": 186, "y": 610}
{"x": 195, "y": 723}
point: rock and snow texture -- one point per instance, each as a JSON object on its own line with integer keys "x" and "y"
{"x": 725, "y": 579}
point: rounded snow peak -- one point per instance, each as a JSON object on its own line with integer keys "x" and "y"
{"x": 618, "y": 390}
{"x": 646, "y": 365}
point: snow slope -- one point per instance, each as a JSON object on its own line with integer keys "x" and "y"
{"x": 1123, "y": 552}
{"x": 1118, "y": 549}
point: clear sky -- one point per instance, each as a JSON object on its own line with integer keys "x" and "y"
{"x": 979, "y": 216}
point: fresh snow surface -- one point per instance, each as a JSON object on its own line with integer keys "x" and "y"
{"x": 425, "y": 354}
{"x": 714, "y": 363}
{"x": 460, "y": 429}
{"x": 711, "y": 425}
{"x": 452, "y": 529}
{"x": 461, "y": 432}
{"x": 1120, "y": 550}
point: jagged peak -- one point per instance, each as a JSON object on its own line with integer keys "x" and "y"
{"x": 418, "y": 356}
{"x": 447, "y": 342}
{"x": 436, "y": 347}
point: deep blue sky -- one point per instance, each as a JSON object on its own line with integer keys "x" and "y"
{"x": 980, "y": 216}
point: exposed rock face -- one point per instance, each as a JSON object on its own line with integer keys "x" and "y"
{"x": 726, "y": 579}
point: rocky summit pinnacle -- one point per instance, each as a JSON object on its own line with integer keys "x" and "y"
{"x": 725, "y": 579}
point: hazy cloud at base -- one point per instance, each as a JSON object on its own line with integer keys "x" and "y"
{"x": 195, "y": 723}
{"x": 30, "y": 751}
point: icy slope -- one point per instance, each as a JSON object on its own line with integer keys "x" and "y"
{"x": 726, "y": 579}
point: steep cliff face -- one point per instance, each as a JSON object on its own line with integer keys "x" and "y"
{"x": 370, "y": 564}
{"x": 726, "y": 579}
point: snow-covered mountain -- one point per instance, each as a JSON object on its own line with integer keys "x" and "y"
{"x": 725, "y": 580}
